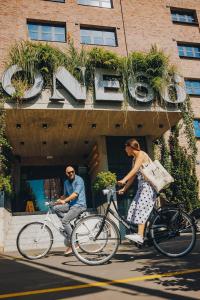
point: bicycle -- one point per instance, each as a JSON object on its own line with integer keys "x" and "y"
{"x": 35, "y": 239}
{"x": 170, "y": 230}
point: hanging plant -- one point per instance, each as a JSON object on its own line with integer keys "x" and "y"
{"x": 33, "y": 57}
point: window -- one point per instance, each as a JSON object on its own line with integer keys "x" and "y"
{"x": 99, "y": 3}
{"x": 47, "y": 32}
{"x": 184, "y": 16}
{"x": 196, "y": 124}
{"x": 189, "y": 51}
{"x": 98, "y": 37}
{"x": 193, "y": 87}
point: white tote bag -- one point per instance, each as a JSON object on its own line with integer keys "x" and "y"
{"x": 156, "y": 175}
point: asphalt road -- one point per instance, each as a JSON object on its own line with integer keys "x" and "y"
{"x": 131, "y": 273}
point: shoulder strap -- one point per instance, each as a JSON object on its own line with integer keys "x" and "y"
{"x": 149, "y": 159}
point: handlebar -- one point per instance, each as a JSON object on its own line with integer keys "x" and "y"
{"x": 49, "y": 203}
{"x": 110, "y": 192}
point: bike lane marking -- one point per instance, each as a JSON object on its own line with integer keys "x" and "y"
{"x": 99, "y": 284}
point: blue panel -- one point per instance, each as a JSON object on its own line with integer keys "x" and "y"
{"x": 37, "y": 187}
{"x": 197, "y": 128}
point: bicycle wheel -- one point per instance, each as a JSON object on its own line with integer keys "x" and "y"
{"x": 173, "y": 232}
{"x": 93, "y": 251}
{"x": 34, "y": 240}
{"x": 84, "y": 235}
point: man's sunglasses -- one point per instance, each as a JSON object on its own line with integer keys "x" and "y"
{"x": 70, "y": 172}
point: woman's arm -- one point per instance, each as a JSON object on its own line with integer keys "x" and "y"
{"x": 129, "y": 183}
{"x": 138, "y": 162}
{"x": 126, "y": 187}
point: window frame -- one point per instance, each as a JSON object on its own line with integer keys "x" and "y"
{"x": 100, "y": 29}
{"x": 47, "y": 23}
{"x": 186, "y": 11}
{"x": 111, "y": 4}
{"x": 192, "y": 80}
{"x": 191, "y": 45}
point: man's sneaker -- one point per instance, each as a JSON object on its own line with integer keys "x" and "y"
{"x": 135, "y": 238}
{"x": 69, "y": 250}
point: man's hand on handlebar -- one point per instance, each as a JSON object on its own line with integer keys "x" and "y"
{"x": 59, "y": 201}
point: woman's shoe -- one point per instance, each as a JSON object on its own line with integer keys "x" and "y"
{"x": 135, "y": 238}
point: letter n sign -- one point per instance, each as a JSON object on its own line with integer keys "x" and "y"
{"x": 69, "y": 83}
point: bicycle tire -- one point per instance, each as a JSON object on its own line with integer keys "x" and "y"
{"x": 24, "y": 250}
{"x": 166, "y": 234}
{"x": 100, "y": 255}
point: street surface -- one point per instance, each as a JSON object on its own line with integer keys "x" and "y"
{"x": 132, "y": 274}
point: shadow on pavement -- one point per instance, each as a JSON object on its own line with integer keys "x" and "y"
{"x": 18, "y": 275}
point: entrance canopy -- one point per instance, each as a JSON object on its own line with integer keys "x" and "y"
{"x": 49, "y": 135}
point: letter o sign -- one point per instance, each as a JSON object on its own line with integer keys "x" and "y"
{"x": 140, "y": 91}
{"x": 9, "y": 88}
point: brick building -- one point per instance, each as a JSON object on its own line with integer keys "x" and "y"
{"x": 45, "y": 136}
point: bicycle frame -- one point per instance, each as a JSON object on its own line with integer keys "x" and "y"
{"x": 116, "y": 215}
{"x": 50, "y": 219}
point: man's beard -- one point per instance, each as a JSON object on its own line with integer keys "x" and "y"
{"x": 71, "y": 179}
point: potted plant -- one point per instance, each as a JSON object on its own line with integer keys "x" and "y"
{"x": 102, "y": 181}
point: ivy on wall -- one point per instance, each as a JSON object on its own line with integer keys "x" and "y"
{"x": 180, "y": 162}
{"x": 5, "y": 151}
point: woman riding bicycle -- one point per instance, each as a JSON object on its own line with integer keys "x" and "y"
{"x": 145, "y": 197}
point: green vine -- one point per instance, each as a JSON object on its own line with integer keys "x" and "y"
{"x": 185, "y": 187}
{"x": 180, "y": 162}
{"x": 188, "y": 118}
{"x": 5, "y": 150}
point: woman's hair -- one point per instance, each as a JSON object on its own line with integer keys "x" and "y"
{"x": 133, "y": 143}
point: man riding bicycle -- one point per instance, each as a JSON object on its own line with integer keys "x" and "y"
{"x": 71, "y": 204}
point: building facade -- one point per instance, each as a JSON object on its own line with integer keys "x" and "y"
{"x": 46, "y": 135}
